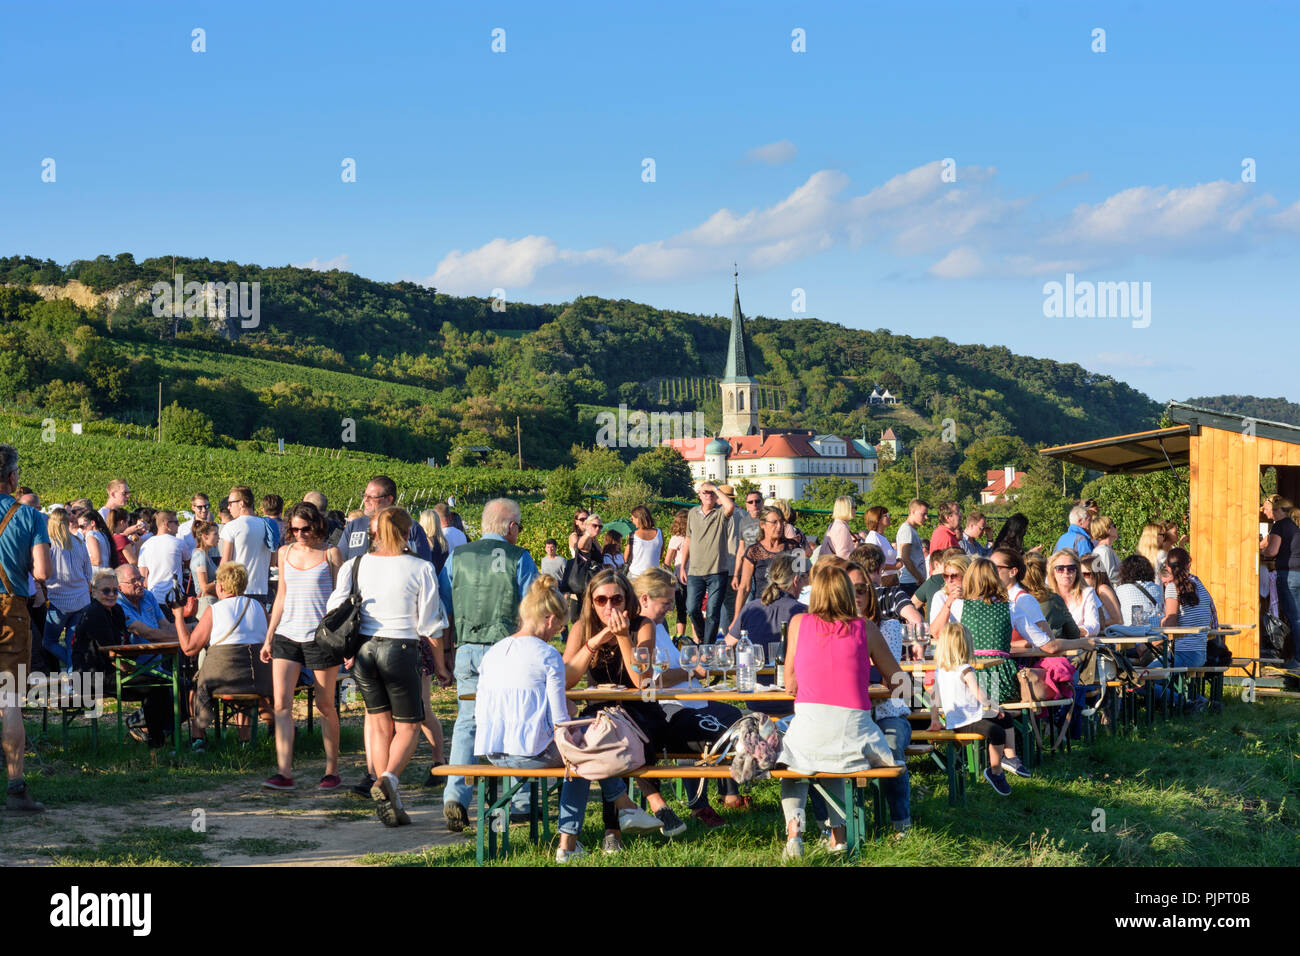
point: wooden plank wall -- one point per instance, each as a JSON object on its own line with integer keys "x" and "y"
{"x": 1225, "y": 470}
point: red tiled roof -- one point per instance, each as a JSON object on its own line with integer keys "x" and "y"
{"x": 766, "y": 444}
{"x": 997, "y": 482}
{"x": 889, "y": 435}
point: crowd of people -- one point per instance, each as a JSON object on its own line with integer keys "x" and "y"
{"x": 243, "y": 593}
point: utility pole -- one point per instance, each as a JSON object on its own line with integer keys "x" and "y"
{"x": 519, "y": 443}
{"x": 160, "y": 410}
{"x": 916, "y": 472}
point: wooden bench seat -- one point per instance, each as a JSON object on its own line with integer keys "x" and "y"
{"x": 493, "y": 804}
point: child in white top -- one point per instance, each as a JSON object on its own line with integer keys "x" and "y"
{"x": 965, "y": 706}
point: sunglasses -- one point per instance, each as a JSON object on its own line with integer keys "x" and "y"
{"x": 1066, "y": 569}
{"x": 108, "y": 590}
{"x": 299, "y": 528}
{"x": 952, "y": 577}
{"x": 861, "y": 589}
{"x": 614, "y": 600}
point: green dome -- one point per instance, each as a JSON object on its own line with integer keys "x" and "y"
{"x": 717, "y": 447}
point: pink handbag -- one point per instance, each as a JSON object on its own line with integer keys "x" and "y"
{"x": 602, "y": 746}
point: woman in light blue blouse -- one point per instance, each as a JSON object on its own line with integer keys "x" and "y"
{"x": 520, "y": 700}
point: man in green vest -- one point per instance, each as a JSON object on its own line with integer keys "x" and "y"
{"x": 488, "y": 577}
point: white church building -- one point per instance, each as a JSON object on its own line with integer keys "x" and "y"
{"x": 779, "y": 461}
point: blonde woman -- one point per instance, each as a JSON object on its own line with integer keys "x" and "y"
{"x": 1149, "y": 546}
{"x": 984, "y": 608}
{"x": 68, "y": 586}
{"x": 839, "y": 536}
{"x": 1065, "y": 577}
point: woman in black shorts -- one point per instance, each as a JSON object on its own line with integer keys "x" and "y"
{"x": 307, "y": 572}
{"x": 399, "y": 606}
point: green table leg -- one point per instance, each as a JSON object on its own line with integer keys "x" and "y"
{"x": 117, "y": 690}
{"x": 176, "y": 706}
{"x": 480, "y": 795}
{"x": 492, "y": 833}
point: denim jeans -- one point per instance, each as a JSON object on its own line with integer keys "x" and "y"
{"x": 898, "y": 792}
{"x": 573, "y": 800}
{"x": 56, "y": 622}
{"x": 468, "y": 659}
{"x": 706, "y": 624}
{"x": 1288, "y": 602}
{"x": 550, "y": 757}
{"x": 1188, "y": 658}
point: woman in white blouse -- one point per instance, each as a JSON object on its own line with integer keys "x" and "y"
{"x": 399, "y": 605}
{"x": 521, "y": 700}
{"x": 1065, "y": 577}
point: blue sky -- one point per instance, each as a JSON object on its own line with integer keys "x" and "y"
{"x": 820, "y": 170}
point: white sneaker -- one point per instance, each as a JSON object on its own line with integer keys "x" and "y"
{"x": 564, "y": 856}
{"x": 833, "y": 847}
{"x": 793, "y": 848}
{"x": 636, "y": 820}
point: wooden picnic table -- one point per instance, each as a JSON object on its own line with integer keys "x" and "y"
{"x": 148, "y": 676}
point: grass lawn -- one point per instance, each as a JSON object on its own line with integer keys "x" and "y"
{"x": 1202, "y": 790}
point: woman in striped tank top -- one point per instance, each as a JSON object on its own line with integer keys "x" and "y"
{"x": 307, "y": 572}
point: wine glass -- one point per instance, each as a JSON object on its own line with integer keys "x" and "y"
{"x": 923, "y": 638}
{"x": 758, "y": 663}
{"x": 707, "y": 658}
{"x": 690, "y": 656}
{"x": 640, "y": 662}
{"x": 773, "y": 652}
{"x": 725, "y": 657}
{"x": 661, "y": 663}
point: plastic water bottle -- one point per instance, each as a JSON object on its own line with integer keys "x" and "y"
{"x": 746, "y": 672}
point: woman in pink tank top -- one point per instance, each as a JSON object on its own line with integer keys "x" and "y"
{"x": 828, "y": 667}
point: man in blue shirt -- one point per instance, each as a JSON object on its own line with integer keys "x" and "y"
{"x": 380, "y": 493}
{"x": 24, "y": 550}
{"x": 145, "y": 619}
{"x": 488, "y": 579}
{"x": 1075, "y": 537}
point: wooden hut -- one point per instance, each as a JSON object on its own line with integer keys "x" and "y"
{"x": 1226, "y": 456}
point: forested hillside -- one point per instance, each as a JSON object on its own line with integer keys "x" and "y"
{"x": 422, "y": 374}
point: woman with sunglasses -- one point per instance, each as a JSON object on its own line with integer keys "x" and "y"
{"x": 307, "y": 573}
{"x": 579, "y": 530}
{"x": 759, "y": 556}
{"x": 203, "y": 569}
{"x": 91, "y": 528}
{"x": 876, "y": 521}
{"x": 600, "y": 648}
{"x": 1064, "y": 576}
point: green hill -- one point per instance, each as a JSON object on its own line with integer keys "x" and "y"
{"x": 421, "y": 373}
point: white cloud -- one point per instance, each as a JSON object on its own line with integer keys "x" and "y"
{"x": 773, "y": 154}
{"x": 338, "y": 262}
{"x": 965, "y": 229}
{"x": 962, "y": 263}
{"x": 1124, "y": 360}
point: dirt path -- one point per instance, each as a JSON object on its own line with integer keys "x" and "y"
{"x": 245, "y": 826}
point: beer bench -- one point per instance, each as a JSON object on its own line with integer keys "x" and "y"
{"x": 492, "y": 800}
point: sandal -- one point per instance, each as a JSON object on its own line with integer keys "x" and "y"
{"x": 738, "y": 802}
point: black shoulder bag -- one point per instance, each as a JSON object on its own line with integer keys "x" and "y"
{"x": 339, "y": 631}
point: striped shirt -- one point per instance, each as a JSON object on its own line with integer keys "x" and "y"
{"x": 1192, "y": 615}
{"x": 305, "y": 593}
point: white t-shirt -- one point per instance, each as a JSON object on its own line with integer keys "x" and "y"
{"x": 185, "y": 535}
{"x": 1142, "y": 596}
{"x": 247, "y": 534}
{"x": 645, "y": 554}
{"x": 1027, "y": 618}
{"x": 960, "y": 705}
{"x": 881, "y": 542}
{"x": 163, "y": 555}
{"x": 455, "y": 538}
{"x": 675, "y": 544}
{"x": 909, "y": 546}
{"x": 251, "y": 628}
{"x": 1087, "y": 613}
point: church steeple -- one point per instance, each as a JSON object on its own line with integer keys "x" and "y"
{"x": 739, "y": 390}
{"x": 737, "y": 369}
